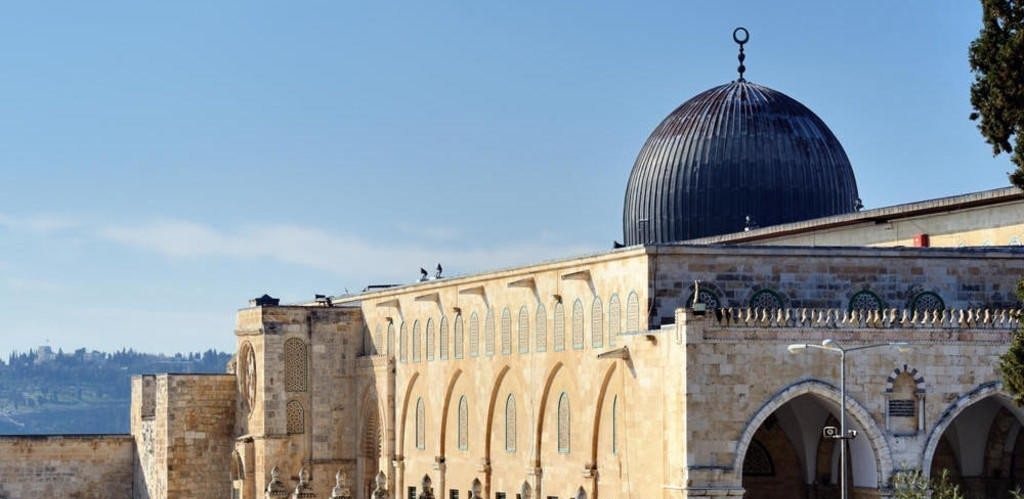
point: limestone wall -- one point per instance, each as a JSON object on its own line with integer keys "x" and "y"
{"x": 184, "y": 444}
{"x": 307, "y": 395}
{"x": 94, "y": 466}
{"x": 834, "y": 277}
{"x": 739, "y": 374}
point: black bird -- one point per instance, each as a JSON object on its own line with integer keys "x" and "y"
{"x": 423, "y": 274}
{"x": 438, "y": 274}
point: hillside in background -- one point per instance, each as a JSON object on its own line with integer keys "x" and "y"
{"x": 47, "y": 392}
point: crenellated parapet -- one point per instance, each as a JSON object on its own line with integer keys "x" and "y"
{"x": 970, "y": 318}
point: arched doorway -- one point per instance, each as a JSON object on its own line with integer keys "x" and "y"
{"x": 368, "y": 462}
{"x": 788, "y": 456}
{"x": 981, "y": 448}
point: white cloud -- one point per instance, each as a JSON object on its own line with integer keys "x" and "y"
{"x": 41, "y": 223}
{"x": 338, "y": 253}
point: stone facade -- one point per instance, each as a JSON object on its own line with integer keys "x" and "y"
{"x": 81, "y": 466}
{"x": 182, "y": 425}
{"x": 650, "y": 371}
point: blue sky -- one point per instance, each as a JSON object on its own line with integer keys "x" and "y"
{"x": 163, "y": 162}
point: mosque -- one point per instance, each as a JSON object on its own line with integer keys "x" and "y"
{"x": 757, "y": 334}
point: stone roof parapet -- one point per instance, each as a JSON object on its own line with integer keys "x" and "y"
{"x": 890, "y": 318}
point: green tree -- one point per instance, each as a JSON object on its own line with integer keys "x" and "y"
{"x": 997, "y": 94}
{"x": 914, "y": 485}
{"x": 1011, "y": 363}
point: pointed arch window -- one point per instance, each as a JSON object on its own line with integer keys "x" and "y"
{"x": 474, "y": 335}
{"x": 429, "y": 340}
{"x": 564, "y": 424}
{"x": 421, "y": 425}
{"x": 541, "y": 342}
{"x": 416, "y": 341}
{"x": 524, "y": 330}
{"x": 506, "y": 332}
{"x": 558, "y": 337}
{"x": 459, "y": 337}
{"x": 403, "y": 344}
{"x": 390, "y": 347}
{"x": 463, "y": 424}
{"x": 632, "y": 312}
{"x": 614, "y": 320}
{"x": 615, "y": 425}
{"x": 577, "y": 325}
{"x": 489, "y": 333}
{"x": 510, "y": 423}
{"x": 442, "y": 338}
{"x": 597, "y": 323}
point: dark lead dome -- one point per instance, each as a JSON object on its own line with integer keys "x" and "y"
{"x": 735, "y": 151}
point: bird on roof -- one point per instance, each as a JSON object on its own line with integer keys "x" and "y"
{"x": 438, "y": 274}
{"x": 423, "y": 274}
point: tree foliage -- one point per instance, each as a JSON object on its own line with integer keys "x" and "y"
{"x": 1011, "y": 363}
{"x": 914, "y": 485}
{"x": 997, "y": 94}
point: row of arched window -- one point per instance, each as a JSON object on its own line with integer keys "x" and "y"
{"x": 564, "y": 421}
{"x": 861, "y": 300}
{"x": 427, "y": 342}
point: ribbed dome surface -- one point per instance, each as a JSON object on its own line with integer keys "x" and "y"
{"x": 734, "y": 151}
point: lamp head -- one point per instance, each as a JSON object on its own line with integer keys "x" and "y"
{"x": 829, "y": 343}
{"x": 797, "y": 348}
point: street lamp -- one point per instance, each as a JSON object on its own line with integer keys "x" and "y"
{"x": 833, "y": 346}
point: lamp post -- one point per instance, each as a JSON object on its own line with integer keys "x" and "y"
{"x": 843, "y": 434}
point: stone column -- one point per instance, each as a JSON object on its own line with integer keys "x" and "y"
{"x": 441, "y": 467}
{"x": 399, "y": 478}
